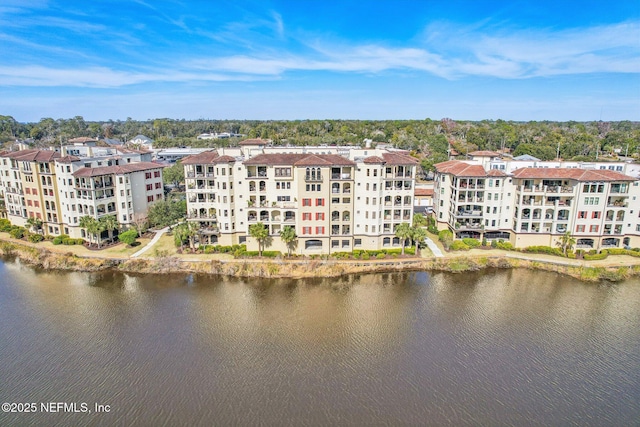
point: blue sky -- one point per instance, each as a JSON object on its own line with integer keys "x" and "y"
{"x": 467, "y": 60}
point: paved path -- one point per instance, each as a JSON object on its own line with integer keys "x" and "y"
{"x": 153, "y": 241}
{"x": 434, "y": 248}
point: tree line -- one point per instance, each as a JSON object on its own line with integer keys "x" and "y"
{"x": 429, "y": 139}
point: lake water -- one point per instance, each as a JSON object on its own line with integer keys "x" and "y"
{"x": 494, "y": 348}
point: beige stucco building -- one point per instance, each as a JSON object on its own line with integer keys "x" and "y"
{"x": 530, "y": 206}
{"x": 336, "y": 198}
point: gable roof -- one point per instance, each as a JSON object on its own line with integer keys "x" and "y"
{"x": 575, "y": 174}
{"x": 373, "y": 160}
{"x": 201, "y": 158}
{"x": 460, "y": 168}
{"x": 399, "y": 159}
{"x": 32, "y": 155}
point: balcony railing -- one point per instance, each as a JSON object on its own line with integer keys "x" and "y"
{"x": 313, "y": 178}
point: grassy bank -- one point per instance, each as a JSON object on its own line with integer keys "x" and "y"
{"x": 166, "y": 261}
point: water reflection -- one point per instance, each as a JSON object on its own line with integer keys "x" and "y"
{"x": 500, "y": 347}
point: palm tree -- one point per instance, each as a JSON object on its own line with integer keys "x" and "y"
{"x": 180, "y": 234}
{"x": 403, "y": 231}
{"x": 110, "y": 223}
{"x": 418, "y": 234}
{"x": 259, "y": 232}
{"x": 288, "y": 236}
{"x": 566, "y": 242}
{"x": 419, "y": 220}
{"x": 87, "y": 222}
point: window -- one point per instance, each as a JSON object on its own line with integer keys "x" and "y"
{"x": 306, "y": 216}
{"x": 306, "y": 230}
{"x": 147, "y": 175}
{"x": 306, "y": 202}
{"x": 156, "y": 174}
{"x": 149, "y": 187}
{"x": 319, "y": 216}
{"x": 593, "y": 229}
{"x": 596, "y": 214}
{"x": 149, "y": 199}
{"x": 158, "y": 185}
{"x": 580, "y": 228}
{"x": 319, "y": 230}
{"x": 319, "y": 202}
{"x": 582, "y": 214}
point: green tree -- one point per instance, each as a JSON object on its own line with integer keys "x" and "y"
{"x": 128, "y": 237}
{"x": 173, "y": 174}
{"x": 166, "y": 212}
{"x": 403, "y": 232}
{"x": 289, "y": 237}
{"x": 261, "y": 233}
{"x": 566, "y": 242}
{"x": 419, "y": 220}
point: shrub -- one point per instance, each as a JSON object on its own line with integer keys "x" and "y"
{"x": 17, "y": 232}
{"x": 35, "y": 238}
{"x": 5, "y": 225}
{"x": 544, "y": 250}
{"x": 381, "y": 256}
{"x": 602, "y": 255}
{"x": 507, "y": 246}
{"x": 472, "y": 243}
{"x": 366, "y": 256}
{"x": 58, "y": 239}
{"x": 484, "y": 241}
{"x": 459, "y": 245}
{"x": 128, "y": 237}
{"x": 446, "y": 237}
{"x": 494, "y": 244}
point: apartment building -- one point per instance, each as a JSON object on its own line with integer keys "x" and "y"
{"x": 59, "y": 188}
{"x": 336, "y": 198}
{"x": 530, "y": 206}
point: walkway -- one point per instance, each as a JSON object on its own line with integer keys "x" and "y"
{"x": 153, "y": 241}
{"x": 434, "y": 248}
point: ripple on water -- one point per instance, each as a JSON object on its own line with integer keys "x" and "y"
{"x": 493, "y": 348}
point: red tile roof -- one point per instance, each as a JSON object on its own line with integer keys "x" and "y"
{"x": 399, "y": 159}
{"x": 575, "y": 174}
{"x": 423, "y": 192}
{"x": 224, "y": 159}
{"x": 496, "y": 172}
{"x": 203, "y": 158}
{"x": 118, "y": 170}
{"x": 373, "y": 160}
{"x": 32, "y": 155}
{"x": 68, "y": 159}
{"x": 459, "y": 168}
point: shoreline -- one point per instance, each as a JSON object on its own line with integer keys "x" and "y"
{"x": 616, "y": 269}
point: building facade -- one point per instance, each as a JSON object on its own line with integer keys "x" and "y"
{"x": 336, "y": 198}
{"x": 531, "y": 206}
{"x": 59, "y": 189}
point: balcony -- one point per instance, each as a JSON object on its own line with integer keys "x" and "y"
{"x": 340, "y": 176}
{"x": 313, "y": 178}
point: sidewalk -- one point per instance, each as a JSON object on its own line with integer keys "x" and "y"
{"x": 153, "y": 241}
{"x": 433, "y": 247}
